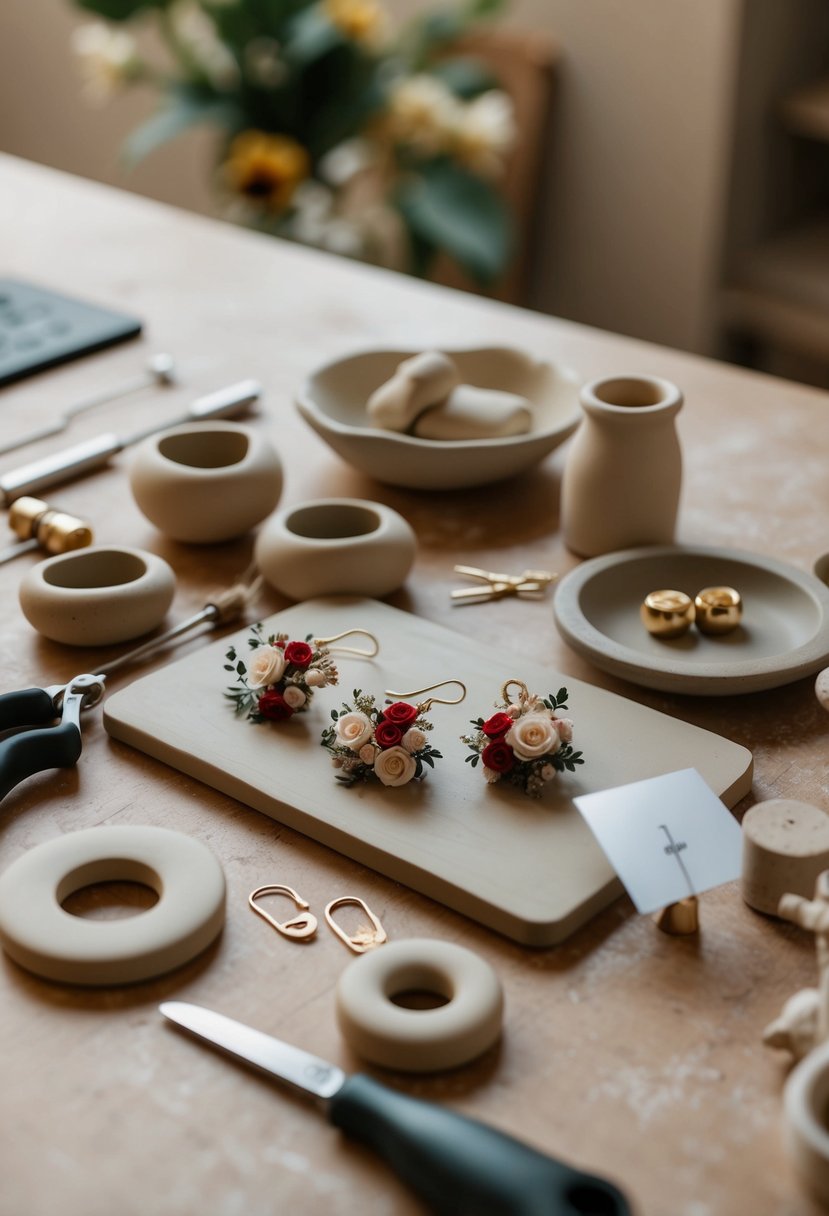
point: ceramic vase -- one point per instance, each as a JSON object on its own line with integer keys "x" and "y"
{"x": 622, "y": 478}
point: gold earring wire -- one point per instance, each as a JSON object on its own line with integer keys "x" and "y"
{"x": 523, "y": 691}
{"x": 364, "y": 654}
{"x": 298, "y": 927}
{"x": 426, "y": 705}
{"x": 367, "y": 936}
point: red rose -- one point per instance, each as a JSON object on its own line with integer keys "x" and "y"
{"x": 273, "y": 705}
{"x": 400, "y": 713}
{"x": 386, "y": 734}
{"x": 497, "y": 725}
{"x": 299, "y": 654}
{"x": 498, "y": 756}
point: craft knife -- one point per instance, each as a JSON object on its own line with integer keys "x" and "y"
{"x": 458, "y": 1166}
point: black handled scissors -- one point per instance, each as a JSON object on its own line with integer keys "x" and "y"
{"x": 43, "y": 727}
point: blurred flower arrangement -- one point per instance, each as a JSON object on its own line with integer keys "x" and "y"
{"x": 333, "y": 129}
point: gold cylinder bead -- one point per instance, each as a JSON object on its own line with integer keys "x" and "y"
{"x": 58, "y": 532}
{"x": 718, "y": 610}
{"x": 24, "y": 514}
{"x": 667, "y": 613}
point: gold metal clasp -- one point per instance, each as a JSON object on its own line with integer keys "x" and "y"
{"x": 298, "y": 927}
{"x": 366, "y": 937}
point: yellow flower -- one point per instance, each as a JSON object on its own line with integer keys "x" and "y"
{"x": 266, "y": 168}
{"x": 364, "y": 21}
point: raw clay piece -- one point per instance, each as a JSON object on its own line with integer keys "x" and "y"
{"x": 804, "y": 1020}
{"x": 785, "y": 848}
{"x": 419, "y": 382}
{"x": 822, "y": 688}
{"x": 475, "y": 413}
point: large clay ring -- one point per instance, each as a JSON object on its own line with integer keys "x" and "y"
{"x": 41, "y": 936}
{"x": 420, "y": 1040}
{"x": 805, "y": 1099}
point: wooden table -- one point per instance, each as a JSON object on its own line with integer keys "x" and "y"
{"x": 627, "y": 1051}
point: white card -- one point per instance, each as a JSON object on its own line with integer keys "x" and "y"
{"x": 667, "y": 838}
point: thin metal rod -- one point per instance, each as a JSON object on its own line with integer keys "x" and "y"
{"x": 12, "y": 551}
{"x": 208, "y": 614}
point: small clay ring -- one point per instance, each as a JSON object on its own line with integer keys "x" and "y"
{"x": 667, "y": 613}
{"x": 41, "y": 936}
{"x": 718, "y": 610}
{"x": 420, "y": 1040}
{"x": 804, "y": 1111}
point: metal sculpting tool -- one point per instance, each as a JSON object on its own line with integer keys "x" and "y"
{"x": 160, "y": 370}
{"x": 455, "y": 1164}
{"x": 95, "y": 453}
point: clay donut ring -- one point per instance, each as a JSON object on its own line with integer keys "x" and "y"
{"x": 420, "y": 1040}
{"x": 40, "y": 935}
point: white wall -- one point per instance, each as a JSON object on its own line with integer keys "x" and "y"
{"x": 638, "y": 173}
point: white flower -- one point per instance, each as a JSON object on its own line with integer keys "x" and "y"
{"x": 314, "y": 678}
{"x": 264, "y": 64}
{"x": 547, "y": 772}
{"x": 484, "y": 132}
{"x": 294, "y": 697}
{"x": 423, "y": 113}
{"x": 490, "y": 775}
{"x": 353, "y": 730}
{"x": 514, "y": 711}
{"x": 367, "y": 754}
{"x": 533, "y": 735}
{"x": 267, "y": 667}
{"x": 345, "y": 160}
{"x": 564, "y": 726}
{"x": 394, "y": 766}
{"x": 196, "y": 31}
{"x": 106, "y": 56}
{"x": 414, "y": 739}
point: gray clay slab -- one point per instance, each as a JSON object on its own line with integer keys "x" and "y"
{"x": 529, "y": 869}
{"x": 783, "y": 637}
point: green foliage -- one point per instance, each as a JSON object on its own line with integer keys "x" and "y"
{"x": 120, "y": 10}
{"x": 465, "y": 75}
{"x": 182, "y": 108}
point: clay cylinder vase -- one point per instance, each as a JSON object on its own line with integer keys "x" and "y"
{"x": 622, "y": 478}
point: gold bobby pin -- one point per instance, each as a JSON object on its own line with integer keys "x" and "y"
{"x": 365, "y": 937}
{"x": 531, "y": 584}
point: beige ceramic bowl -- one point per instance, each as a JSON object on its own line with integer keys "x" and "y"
{"x": 333, "y": 401}
{"x": 206, "y": 481}
{"x": 97, "y": 596}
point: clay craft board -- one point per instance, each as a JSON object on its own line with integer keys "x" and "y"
{"x": 528, "y": 868}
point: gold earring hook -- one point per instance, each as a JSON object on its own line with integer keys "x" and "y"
{"x": 298, "y": 927}
{"x": 430, "y": 701}
{"x": 523, "y": 694}
{"x": 364, "y": 654}
{"x": 366, "y": 936}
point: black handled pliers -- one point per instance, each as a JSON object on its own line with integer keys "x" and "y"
{"x": 43, "y": 727}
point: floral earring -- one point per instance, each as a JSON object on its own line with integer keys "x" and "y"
{"x": 280, "y": 676}
{"x": 390, "y": 744}
{"x": 525, "y": 743}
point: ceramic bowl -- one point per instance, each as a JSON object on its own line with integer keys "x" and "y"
{"x": 335, "y": 546}
{"x": 805, "y": 1100}
{"x": 97, "y": 596}
{"x": 205, "y": 482}
{"x": 333, "y": 401}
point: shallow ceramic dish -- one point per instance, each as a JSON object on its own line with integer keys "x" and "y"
{"x": 784, "y": 635}
{"x": 333, "y": 401}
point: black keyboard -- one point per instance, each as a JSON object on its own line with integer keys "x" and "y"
{"x": 39, "y": 329}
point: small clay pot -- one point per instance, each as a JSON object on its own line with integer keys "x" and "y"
{"x": 335, "y": 546}
{"x": 97, "y": 596}
{"x": 805, "y": 1105}
{"x": 206, "y": 481}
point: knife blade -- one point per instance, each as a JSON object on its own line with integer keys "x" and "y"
{"x": 458, "y": 1166}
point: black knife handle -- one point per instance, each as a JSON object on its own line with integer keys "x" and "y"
{"x": 464, "y": 1168}
{"x": 26, "y": 707}
{"x": 35, "y": 750}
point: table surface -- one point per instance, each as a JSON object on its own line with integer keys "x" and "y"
{"x": 627, "y": 1051}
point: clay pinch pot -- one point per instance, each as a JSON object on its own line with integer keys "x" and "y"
{"x": 333, "y": 402}
{"x": 205, "y": 482}
{"x": 97, "y": 596}
{"x": 806, "y": 1116}
{"x": 335, "y": 546}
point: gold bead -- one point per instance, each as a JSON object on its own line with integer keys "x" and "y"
{"x": 667, "y": 614}
{"x": 719, "y": 610}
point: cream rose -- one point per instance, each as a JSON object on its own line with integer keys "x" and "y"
{"x": 533, "y": 736}
{"x": 314, "y": 678}
{"x": 395, "y": 766}
{"x": 414, "y": 739}
{"x": 353, "y": 730}
{"x": 267, "y": 667}
{"x": 367, "y": 753}
{"x": 294, "y": 697}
